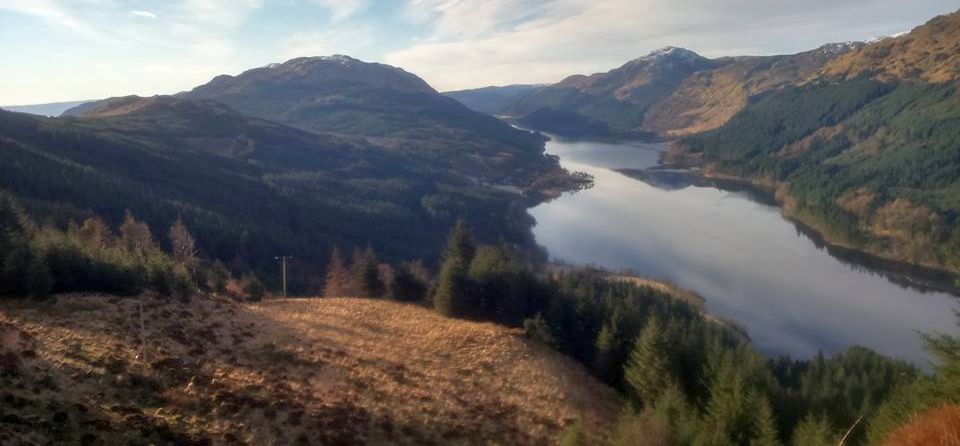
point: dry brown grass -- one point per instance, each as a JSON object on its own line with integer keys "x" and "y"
{"x": 938, "y": 427}
{"x": 930, "y": 52}
{"x": 311, "y": 371}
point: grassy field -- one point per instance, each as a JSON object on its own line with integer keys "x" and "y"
{"x": 297, "y": 371}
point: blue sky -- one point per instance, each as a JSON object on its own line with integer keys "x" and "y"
{"x": 57, "y": 50}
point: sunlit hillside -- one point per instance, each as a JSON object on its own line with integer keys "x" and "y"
{"x": 299, "y": 371}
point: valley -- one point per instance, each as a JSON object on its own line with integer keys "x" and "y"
{"x": 752, "y": 242}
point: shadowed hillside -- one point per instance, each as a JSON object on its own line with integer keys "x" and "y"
{"x": 317, "y": 371}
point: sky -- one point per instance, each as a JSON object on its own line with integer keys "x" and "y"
{"x": 61, "y": 50}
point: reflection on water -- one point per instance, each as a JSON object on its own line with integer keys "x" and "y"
{"x": 729, "y": 243}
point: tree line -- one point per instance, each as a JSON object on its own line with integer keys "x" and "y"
{"x": 39, "y": 260}
{"x": 688, "y": 379}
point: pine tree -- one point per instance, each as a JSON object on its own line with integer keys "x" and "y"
{"x": 536, "y": 328}
{"x": 11, "y": 221}
{"x": 406, "y": 285}
{"x": 219, "y": 277}
{"x": 814, "y": 431}
{"x": 604, "y": 353}
{"x": 338, "y": 281}
{"x": 366, "y": 273}
{"x": 726, "y": 420}
{"x": 490, "y": 273}
{"x": 452, "y": 294}
{"x": 764, "y": 424}
{"x": 253, "y": 287}
{"x": 646, "y": 371}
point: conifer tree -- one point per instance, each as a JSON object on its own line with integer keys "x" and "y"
{"x": 604, "y": 356}
{"x": 452, "y": 294}
{"x": 764, "y": 424}
{"x": 490, "y": 273}
{"x": 725, "y": 416}
{"x": 338, "y": 280}
{"x": 253, "y": 287}
{"x": 219, "y": 277}
{"x": 368, "y": 274}
{"x": 646, "y": 371}
{"x": 406, "y": 285}
{"x": 814, "y": 431}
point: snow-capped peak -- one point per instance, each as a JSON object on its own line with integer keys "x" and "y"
{"x": 670, "y": 52}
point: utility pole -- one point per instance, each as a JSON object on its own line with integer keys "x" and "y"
{"x": 284, "y": 259}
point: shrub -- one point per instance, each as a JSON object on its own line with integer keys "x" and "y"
{"x": 253, "y": 287}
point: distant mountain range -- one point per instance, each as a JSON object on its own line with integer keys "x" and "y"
{"x": 667, "y": 93}
{"x": 866, "y": 149}
{"x": 861, "y": 139}
{"x": 52, "y": 109}
{"x": 289, "y": 158}
{"x": 491, "y": 100}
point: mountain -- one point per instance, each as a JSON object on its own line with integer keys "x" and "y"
{"x": 299, "y": 371}
{"x": 709, "y": 98}
{"x": 247, "y": 187}
{"x": 491, "y": 100}
{"x": 611, "y": 102}
{"x": 864, "y": 150}
{"x": 668, "y": 93}
{"x": 50, "y": 109}
{"x": 930, "y": 53}
{"x": 386, "y": 105}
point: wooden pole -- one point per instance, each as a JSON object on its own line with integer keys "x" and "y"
{"x": 143, "y": 333}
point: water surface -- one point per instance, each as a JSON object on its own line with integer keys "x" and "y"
{"x": 734, "y": 248}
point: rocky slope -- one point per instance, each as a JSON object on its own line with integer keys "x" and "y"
{"x": 311, "y": 371}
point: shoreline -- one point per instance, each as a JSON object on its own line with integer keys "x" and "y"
{"x": 923, "y": 276}
{"x": 690, "y": 297}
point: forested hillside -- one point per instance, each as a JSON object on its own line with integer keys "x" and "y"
{"x": 491, "y": 100}
{"x": 608, "y": 103}
{"x": 386, "y": 105}
{"x": 865, "y": 152}
{"x": 250, "y": 188}
{"x": 670, "y": 92}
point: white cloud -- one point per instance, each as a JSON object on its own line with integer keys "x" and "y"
{"x": 146, "y": 14}
{"x": 352, "y": 40}
{"x": 341, "y": 10}
{"x": 482, "y": 42}
{"x": 56, "y": 13}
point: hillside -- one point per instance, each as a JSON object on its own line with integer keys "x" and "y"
{"x": 668, "y": 93}
{"x": 247, "y": 187}
{"x": 310, "y": 371}
{"x": 869, "y": 160}
{"x": 611, "y": 102}
{"x": 929, "y": 53}
{"x": 389, "y": 107}
{"x": 50, "y": 109}
{"x": 709, "y": 98}
{"x": 491, "y": 100}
